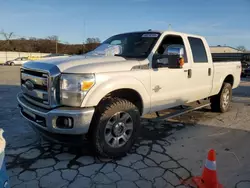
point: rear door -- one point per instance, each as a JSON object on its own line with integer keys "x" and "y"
{"x": 202, "y": 69}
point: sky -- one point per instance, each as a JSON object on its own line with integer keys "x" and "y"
{"x": 222, "y": 22}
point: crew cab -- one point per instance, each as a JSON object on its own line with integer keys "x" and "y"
{"x": 103, "y": 94}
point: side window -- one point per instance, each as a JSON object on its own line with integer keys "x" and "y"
{"x": 198, "y": 50}
{"x": 172, "y": 45}
{"x": 116, "y": 42}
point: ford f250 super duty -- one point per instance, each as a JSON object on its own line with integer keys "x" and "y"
{"x": 103, "y": 93}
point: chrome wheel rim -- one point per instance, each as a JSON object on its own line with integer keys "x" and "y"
{"x": 118, "y": 130}
{"x": 225, "y": 98}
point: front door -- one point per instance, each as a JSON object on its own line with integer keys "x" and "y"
{"x": 170, "y": 87}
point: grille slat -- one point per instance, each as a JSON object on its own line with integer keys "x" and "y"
{"x": 33, "y": 73}
{"x": 37, "y": 81}
{"x": 35, "y": 93}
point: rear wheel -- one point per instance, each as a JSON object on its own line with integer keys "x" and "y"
{"x": 221, "y": 102}
{"x": 115, "y": 127}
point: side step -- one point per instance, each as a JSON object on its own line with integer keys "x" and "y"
{"x": 178, "y": 113}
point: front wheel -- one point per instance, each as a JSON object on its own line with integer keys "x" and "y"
{"x": 12, "y": 63}
{"x": 221, "y": 102}
{"x": 115, "y": 127}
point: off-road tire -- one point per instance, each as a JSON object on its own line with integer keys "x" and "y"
{"x": 105, "y": 110}
{"x": 217, "y": 100}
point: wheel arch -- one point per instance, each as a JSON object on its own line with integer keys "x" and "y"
{"x": 129, "y": 94}
{"x": 229, "y": 79}
{"x": 130, "y": 89}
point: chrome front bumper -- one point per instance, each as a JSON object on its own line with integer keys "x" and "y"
{"x": 46, "y": 119}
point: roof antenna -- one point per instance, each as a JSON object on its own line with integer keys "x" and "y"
{"x": 150, "y": 30}
{"x": 169, "y": 27}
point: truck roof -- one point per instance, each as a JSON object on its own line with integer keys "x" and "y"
{"x": 166, "y": 32}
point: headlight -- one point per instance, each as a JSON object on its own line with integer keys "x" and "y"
{"x": 74, "y": 87}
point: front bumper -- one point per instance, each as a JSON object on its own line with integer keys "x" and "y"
{"x": 45, "y": 120}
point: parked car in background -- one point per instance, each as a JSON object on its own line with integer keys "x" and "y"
{"x": 245, "y": 65}
{"x": 17, "y": 61}
{"x": 245, "y": 71}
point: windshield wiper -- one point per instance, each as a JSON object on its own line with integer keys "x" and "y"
{"x": 122, "y": 55}
{"x": 130, "y": 56}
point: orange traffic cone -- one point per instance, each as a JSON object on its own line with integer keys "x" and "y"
{"x": 209, "y": 175}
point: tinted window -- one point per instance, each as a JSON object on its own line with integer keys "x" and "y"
{"x": 198, "y": 50}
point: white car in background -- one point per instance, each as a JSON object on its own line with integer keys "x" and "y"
{"x": 17, "y": 61}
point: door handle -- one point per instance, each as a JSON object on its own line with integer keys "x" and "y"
{"x": 209, "y": 71}
{"x": 189, "y": 71}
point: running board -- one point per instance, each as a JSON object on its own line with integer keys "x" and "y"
{"x": 178, "y": 113}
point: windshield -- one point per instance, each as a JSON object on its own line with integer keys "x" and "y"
{"x": 135, "y": 45}
{"x": 17, "y": 59}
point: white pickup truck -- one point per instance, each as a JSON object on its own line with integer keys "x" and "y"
{"x": 103, "y": 93}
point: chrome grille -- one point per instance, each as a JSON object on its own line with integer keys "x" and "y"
{"x": 35, "y": 87}
{"x": 39, "y": 88}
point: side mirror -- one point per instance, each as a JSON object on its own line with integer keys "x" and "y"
{"x": 160, "y": 61}
{"x": 170, "y": 61}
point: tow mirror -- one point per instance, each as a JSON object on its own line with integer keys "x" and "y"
{"x": 170, "y": 61}
{"x": 177, "y": 50}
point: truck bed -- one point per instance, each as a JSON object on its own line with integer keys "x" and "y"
{"x": 222, "y": 70}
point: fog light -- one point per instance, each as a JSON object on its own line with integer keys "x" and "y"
{"x": 64, "y": 122}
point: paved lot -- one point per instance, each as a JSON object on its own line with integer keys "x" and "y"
{"x": 165, "y": 153}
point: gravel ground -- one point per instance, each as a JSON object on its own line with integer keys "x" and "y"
{"x": 166, "y": 152}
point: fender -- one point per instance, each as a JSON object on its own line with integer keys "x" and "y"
{"x": 98, "y": 92}
{"x": 217, "y": 86}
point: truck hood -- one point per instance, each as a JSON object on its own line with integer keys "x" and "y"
{"x": 87, "y": 64}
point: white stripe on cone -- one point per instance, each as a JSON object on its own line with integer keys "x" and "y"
{"x": 211, "y": 165}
